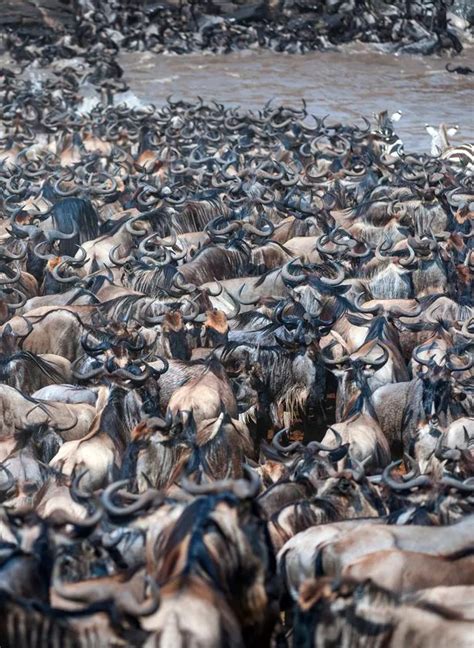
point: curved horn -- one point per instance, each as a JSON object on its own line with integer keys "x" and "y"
{"x": 383, "y": 247}
{"x": 333, "y": 362}
{"x": 10, "y": 256}
{"x": 148, "y": 497}
{"x": 376, "y": 309}
{"x": 128, "y": 375}
{"x": 4, "y": 488}
{"x": 288, "y": 276}
{"x": 19, "y": 304}
{"x": 398, "y": 312}
{"x": 76, "y": 492}
{"x": 61, "y": 518}
{"x": 88, "y": 375}
{"x": 290, "y": 448}
{"x": 338, "y": 279}
{"x": 193, "y": 313}
{"x": 179, "y": 282}
{"x": 40, "y": 255}
{"x": 358, "y": 472}
{"x": 115, "y": 260}
{"x": 93, "y": 350}
{"x": 378, "y": 362}
{"x": 129, "y": 226}
{"x": 235, "y": 306}
{"x": 163, "y": 370}
{"x": 466, "y": 486}
{"x": 266, "y": 231}
{"x": 416, "y": 356}
{"x": 59, "y": 278}
{"x": 69, "y": 427}
{"x": 251, "y": 302}
{"x": 410, "y": 259}
{"x": 421, "y": 480}
{"x": 320, "y": 447}
{"x": 414, "y": 467}
{"x": 466, "y": 367}
{"x": 11, "y": 280}
{"x": 242, "y": 488}
{"x": 57, "y": 235}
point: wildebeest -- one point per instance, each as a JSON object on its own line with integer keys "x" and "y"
{"x": 227, "y": 334}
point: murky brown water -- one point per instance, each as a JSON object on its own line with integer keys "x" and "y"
{"x": 342, "y": 84}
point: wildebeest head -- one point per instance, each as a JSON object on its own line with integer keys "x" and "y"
{"x": 223, "y": 539}
{"x": 217, "y": 446}
{"x": 46, "y": 442}
{"x": 285, "y": 377}
{"x": 175, "y": 337}
{"x": 50, "y": 284}
{"x": 9, "y": 341}
{"x": 352, "y": 494}
{"x": 248, "y": 384}
{"x": 353, "y": 372}
{"x": 305, "y": 462}
{"x": 216, "y": 328}
{"x": 330, "y": 613}
{"x": 438, "y": 392}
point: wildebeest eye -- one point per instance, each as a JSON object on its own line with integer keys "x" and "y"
{"x": 344, "y": 485}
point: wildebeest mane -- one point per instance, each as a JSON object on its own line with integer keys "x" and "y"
{"x": 124, "y": 307}
{"x": 111, "y": 227}
{"x": 150, "y": 281}
{"x": 112, "y": 419}
{"x": 78, "y": 214}
{"x": 193, "y": 523}
{"x": 230, "y": 346}
{"x": 82, "y": 292}
{"x": 129, "y": 461}
{"x": 196, "y": 214}
{"x": 213, "y": 261}
{"x": 380, "y": 329}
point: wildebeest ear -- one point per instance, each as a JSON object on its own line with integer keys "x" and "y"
{"x": 339, "y": 453}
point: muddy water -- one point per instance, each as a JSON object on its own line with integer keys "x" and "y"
{"x": 342, "y": 84}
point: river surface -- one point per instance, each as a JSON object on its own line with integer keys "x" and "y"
{"x": 343, "y": 84}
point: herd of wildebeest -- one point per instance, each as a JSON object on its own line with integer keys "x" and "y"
{"x": 222, "y": 26}
{"x": 236, "y": 367}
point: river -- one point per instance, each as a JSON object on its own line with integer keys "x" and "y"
{"x": 344, "y": 84}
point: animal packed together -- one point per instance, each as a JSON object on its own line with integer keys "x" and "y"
{"x": 236, "y": 396}
{"x": 50, "y": 29}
